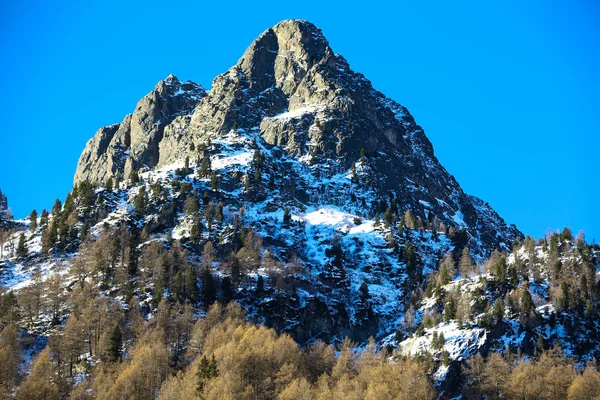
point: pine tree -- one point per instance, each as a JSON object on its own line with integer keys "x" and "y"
{"x": 140, "y": 201}
{"x": 363, "y": 157}
{"x": 209, "y": 287}
{"x": 566, "y": 234}
{"x": 33, "y": 220}
{"x": 226, "y": 290}
{"x": 387, "y": 217}
{"x": 56, "y": 209}
{"x": 219, "y": 212}
{"x": 401, "y": 228}
{"x": 565, "y": 298}
{"x": 85, "y": 194}
{"x": 190, "y": 285}
{"x": 527, "y": 305}
{"x": 44, "y": 218}
{"x": 134, "y": 177}
{"x": 109, "y": 184}
{"x": 85, "y": 228}
{"x": 206, "y": 370}
{"x": 22, "y": 247}
{"x": 115, "y": 342}
{"x": 377, "y": 221}
{"x": 450, "y": 310}
{"x": 498, "y": 311}
{"x": 205, "y": 167}
{"x": 443, "y": 275}
{"x": 214, "y": 182}
{"x": 513, "y": 279}
{"x": 447, "y": 270}
{"x": 411, "y": 260}
{"x": 49, "y": 236}
{"x": 260, "y": 286}
{"x": 191, "y": 206}
{"x": 196, "y": 230}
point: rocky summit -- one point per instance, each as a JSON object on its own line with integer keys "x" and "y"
{"x": 294, "y": 93}
{"x": 134, "y": 143}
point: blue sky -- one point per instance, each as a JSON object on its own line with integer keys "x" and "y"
{"x": 508, "y": 93}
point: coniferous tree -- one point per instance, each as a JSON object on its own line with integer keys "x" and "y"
{"x": 209, "y": 287}
{"x": 56, "y": 209}
{"x": 22, "y": 247}
{"x": 191, "y": 206}
{"x": 498, "y": 310}
{"x": 214, "y": 182}
{"x": 134, "y": 177}
{"x": 260, "y": 286}
{"x": 49, "y": 236}
{"x": 450, "y": 309}
{"x": 86, "y": 194}
{"x": 191, "y": 285}
{"x": 226, "y": 290}
{"x": 33, "y": 220}
{"x": 499, "y": 269}
{"x": 115, "y": 342}
{"x": 447, "y": 270}
{"x": 363, "y": 157}
{"x": 196, "y": 230}
{"x": 387, "y": 217}
{"x": 564, "y": 301}
{"x": 527, "y": 305}
{"x": 206, "y": 370}
{"x": 44, "y": 218}
{"x": 205, "y": 167}
{"x": 140, "y": 201}
{"x": 410, "y": 258}
{"x": 85, "y": 228}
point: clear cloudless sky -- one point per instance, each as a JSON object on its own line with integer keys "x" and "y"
{"x": 508, "y": 92}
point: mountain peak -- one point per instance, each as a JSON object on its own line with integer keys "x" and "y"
{"x": 284, "y": 53}
{"x": 293, "y": 93}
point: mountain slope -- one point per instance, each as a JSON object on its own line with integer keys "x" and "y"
{"x": 291, "y": 90}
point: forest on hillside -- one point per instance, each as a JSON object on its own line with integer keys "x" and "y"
{"x": 101, "y": 330}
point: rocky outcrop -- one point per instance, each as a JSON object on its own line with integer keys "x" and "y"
{"x": 293, "y": 91}
{"x": 134, "y": 143}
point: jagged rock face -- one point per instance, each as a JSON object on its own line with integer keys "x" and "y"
{"x": 292, "y": 90}
{"x": 134, "y": 143}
